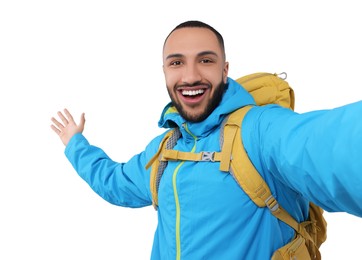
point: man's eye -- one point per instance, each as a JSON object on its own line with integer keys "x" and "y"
{"x": 175, "y": 63}
{"x": 206, "y": 61}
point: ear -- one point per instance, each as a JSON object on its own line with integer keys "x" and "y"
{"x": 225, "y": 71}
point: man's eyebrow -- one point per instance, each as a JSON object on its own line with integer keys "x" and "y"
{"x": 203, "y": 53}
{"x": 174, "y": 55}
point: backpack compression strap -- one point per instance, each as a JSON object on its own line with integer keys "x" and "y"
{"x": 248, "y": 177}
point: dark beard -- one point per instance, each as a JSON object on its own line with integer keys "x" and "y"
{"x": 213, "y": 103}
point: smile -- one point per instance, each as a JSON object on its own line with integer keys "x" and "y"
{"x": 192, "y": 92}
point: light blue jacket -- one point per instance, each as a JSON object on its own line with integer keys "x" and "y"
{"x": 203, "y": 213}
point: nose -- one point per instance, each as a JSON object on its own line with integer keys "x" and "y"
{"x": 191, "y": 74}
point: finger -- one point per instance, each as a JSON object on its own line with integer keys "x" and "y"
{"x": 56, "y": 130}
{"x": 69, "y": 116}
{"x": 82, "y": 121}
{"x": 62, "y": 117}
{"x": 57, "y": 123}
{"x": 82, "y": 118}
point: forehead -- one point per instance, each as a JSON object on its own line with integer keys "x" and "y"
{"x": 191, "y": 41}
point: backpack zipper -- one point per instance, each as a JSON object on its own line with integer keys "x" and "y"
{"x": 282, "y": 75}
{"x": 295, "y": 246}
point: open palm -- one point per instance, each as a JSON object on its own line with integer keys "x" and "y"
{"x": 67, "y": 127}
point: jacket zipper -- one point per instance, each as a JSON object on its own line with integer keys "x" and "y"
{"x": 177, "y": 202}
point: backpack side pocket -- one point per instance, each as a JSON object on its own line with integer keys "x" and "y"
{"x": 296, "y": 249}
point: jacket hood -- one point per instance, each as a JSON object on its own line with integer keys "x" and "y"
{"x": 234, "y": 97}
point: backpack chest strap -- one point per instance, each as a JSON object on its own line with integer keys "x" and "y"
{"x": 175, "y": 155}
{"x": 224, "y": 157}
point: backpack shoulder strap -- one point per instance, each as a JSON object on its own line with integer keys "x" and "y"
{"x": 158, "y": 165}
{"x": 241, "y": 167}
{"x": 248, "y": 177}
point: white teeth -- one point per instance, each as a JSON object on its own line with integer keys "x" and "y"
{"x": 192, "y": 92}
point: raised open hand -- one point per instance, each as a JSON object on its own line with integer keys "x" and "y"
{"x": 68, "y": 127}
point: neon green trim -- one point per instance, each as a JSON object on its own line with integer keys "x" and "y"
{"x": 178, "y": 215}
{"x": 177, "y": 202}
{"x": 171, "y": 110}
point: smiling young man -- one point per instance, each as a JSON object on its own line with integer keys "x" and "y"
{"x": 202, "y": 212}
{"x": 195, "y": 70}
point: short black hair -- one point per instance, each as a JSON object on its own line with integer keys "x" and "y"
{"x": 199, "y": 24}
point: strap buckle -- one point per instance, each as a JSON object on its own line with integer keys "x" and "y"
{"x": 208, "y": 156}
{"x": 272, "y": 203}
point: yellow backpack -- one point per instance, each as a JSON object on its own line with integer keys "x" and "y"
{"x": 266, "y": 88}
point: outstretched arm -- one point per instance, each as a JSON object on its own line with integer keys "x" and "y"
{"x": 317, "y": 154}
{"x": 123, "y": 184}
{"x": 68, "y": 128}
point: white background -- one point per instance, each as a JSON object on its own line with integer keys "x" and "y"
{"x": 104, "y": 58}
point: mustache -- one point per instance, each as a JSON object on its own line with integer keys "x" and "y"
{"x": 195, "y": 84}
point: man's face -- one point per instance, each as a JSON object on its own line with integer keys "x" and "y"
{"x": 195, "y": 72}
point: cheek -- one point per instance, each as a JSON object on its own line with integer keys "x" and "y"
{"x": 170, "y": 85}
{"x": 215, "y": 77}
{"x": 170, "y": 78}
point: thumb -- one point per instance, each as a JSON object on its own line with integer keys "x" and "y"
{"x": 82, "y": 122}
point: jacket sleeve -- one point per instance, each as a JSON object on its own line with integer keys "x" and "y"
{"x": 318, "y": 154}
{"x": 123, "y": 184}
